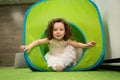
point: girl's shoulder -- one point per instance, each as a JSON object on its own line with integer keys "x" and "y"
{"x": 69, "y": 41}
{"x": 45, "y": 40}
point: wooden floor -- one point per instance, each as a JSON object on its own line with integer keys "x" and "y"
{"x": 11, "y": 26}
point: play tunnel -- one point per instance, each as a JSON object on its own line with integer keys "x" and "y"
{"x": 86, "y": 24}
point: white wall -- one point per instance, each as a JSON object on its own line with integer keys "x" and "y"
{"x": 111, "y": 20}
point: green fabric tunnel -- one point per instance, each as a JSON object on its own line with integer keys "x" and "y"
{"x": 86, "y": 24}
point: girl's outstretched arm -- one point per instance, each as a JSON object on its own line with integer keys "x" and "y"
{"x": 82, "y": 45}
{"x": 27, "y": 48}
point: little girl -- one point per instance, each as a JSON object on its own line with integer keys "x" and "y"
{"x": 62, "y": 52}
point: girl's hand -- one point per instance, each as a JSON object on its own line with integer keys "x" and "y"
{"x": 91, "y": 44}
{"x": 25, "y": 48}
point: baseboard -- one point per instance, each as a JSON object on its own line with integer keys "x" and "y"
{"x": 110, "y": 67}
{"x": 115, "y": 60}
{"x": 111, "y": 64}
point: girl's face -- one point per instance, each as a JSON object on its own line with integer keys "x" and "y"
{"x": 58, "y": 30}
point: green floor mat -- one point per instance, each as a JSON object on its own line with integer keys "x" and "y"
{"x": 26, "y": 74}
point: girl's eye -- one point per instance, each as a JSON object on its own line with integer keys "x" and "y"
{"x": 55, "y": 30}
{"x": 61, "y": 29}
{"x": 58, "y": 30}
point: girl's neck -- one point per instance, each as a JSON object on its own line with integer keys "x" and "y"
{"x": 58, "y": 39}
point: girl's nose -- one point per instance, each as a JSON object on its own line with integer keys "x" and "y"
{"x": 58, "y": 31}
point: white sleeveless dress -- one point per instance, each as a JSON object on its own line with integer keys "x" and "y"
{"x": 60, "y": 54}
